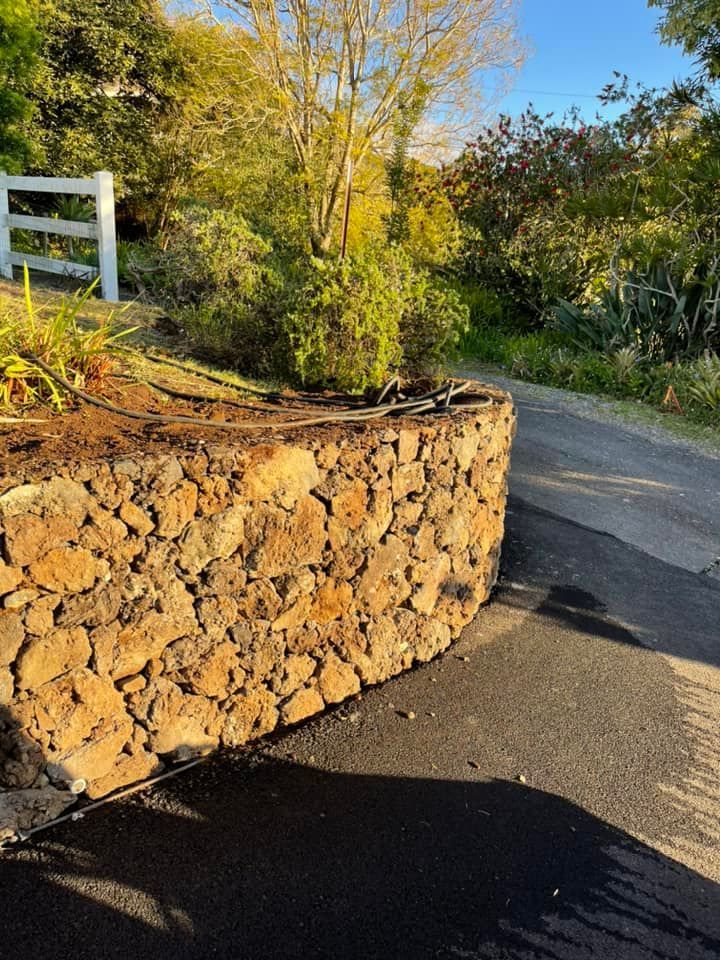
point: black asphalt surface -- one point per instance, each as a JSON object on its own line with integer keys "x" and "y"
{"x": 556, "y": 796}
{"x": 575, "y": 458}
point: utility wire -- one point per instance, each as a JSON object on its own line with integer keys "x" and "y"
{"x": 556, "y": 93}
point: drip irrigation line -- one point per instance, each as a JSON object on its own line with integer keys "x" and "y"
{"x": 202, "y": 398}
{"x": 118, "y": 795}
{"x": 213, "y": 377}
{"x": 271, "y": 396}
{"x": 426, "y": 403}
{"x": 393, "y": 384}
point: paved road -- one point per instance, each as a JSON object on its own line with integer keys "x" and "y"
{"x": 663, "y": 497}
{"x": 556, "y": 795}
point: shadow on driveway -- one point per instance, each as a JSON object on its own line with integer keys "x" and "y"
{"x": 250, "y": 858}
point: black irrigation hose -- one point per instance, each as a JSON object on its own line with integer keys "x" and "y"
{"x": 201, "y": 398}
{"x": 428, "y": 402}
{"x": 213, "y": 377}
{"x": 271, "y": 396}
{"x": 79, "y": 813}
{"x": 390, "y": 385}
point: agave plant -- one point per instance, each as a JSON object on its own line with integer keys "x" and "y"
{"x": 603, "y": 327}
{"x": 623, "y": 361}
{"x": 663, "y": 312}
{"x": 563, "y": 367}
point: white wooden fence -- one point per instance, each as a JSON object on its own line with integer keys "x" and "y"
{"x": 102, "y": 229}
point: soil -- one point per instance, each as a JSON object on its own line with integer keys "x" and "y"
{"x": 85, "y": 432}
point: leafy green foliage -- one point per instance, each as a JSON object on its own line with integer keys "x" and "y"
{"x": 604, "y": 328}
{"x": 433, "y": 322}
{"x": 18, "y": 44}
{"x": 548, "y": 357}
{"x": 357, "y": 321}
{"x": 108, "y": 75}
{"x": 219, "y": 280}
{"x": 513, "y": 189}
{"x": 400, "y": 167}
{"x": 695, "y": 24}
{"x": 345, "y": 328}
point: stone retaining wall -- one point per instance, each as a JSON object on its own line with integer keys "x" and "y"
{"x": 155, "y": 607}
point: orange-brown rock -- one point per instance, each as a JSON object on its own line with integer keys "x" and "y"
{"x": 12, "y": 635}
{"x": 302, "y": 704}
{"x": 10, "y": 577}
{"x": 337, "y": 680}
{"x": 28, "y": 537}
{"x": 176, "y": 509}
{"x": 276, "y": 541}
{"x": 66, "y": 570}
{"x": 128, "y": 769}
{"x": 136, "y": 518}
{"x": 49, "y": 656}
{"x": 383, "y": 582}
{"x": 331, "y": 601}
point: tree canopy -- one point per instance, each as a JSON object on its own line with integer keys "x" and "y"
{"x": 695, "y": 25}
{"x": 108, "y": 70}
{"x": 340, "y": 69}
{"x": 18, "y": 43}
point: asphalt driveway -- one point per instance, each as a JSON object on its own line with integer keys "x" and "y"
{"x": 555, "y": 796}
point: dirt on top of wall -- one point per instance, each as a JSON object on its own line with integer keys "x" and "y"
{"x": 84, "y": 432}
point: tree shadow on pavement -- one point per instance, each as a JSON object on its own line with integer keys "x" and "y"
{"x": 666, "y": 608}
{"x": 254, "y": 858}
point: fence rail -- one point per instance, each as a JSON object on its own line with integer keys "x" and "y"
{"x": 102, "y": 230}
{"x": 67, "y": 228}
{"x": 53, "y": 265}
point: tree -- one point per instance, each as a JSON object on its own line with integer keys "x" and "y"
{"x": 18, "y": 43}
{"x": 525, "y": 194}
{"x": 401, "y": 167}
{"x": 340, "y": 69}
{"x": 695, "y": 25}
{"x": 109, "y": 71}
{"x": 220, "y": 139}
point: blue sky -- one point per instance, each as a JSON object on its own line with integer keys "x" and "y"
{"x": 576, "y": 44}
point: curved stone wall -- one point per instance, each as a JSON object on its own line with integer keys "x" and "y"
{"x": 158, "y": 606}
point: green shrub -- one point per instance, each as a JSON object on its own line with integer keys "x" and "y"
{"x": 433, "y": 321}
{"x": 355, "y": 322}
{"x": 221, "y": 282}
{"x": 210, "y": 252}
{"x": 344, "y": 330}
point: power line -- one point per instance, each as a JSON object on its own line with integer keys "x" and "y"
{"x": 556, "y": 93}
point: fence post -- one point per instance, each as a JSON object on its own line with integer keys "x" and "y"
{"x": 6, "y": 269}
{"x": 107, "y": 249}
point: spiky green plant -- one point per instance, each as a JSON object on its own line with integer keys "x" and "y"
{"x": 82, "y": 356}
{"x": 705, "y": 386}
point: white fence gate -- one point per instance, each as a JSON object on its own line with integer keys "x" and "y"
{"x": 102, "y": 229}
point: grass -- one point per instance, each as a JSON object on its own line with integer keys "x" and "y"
{"x": 548, "y": 357}
{"x": 680, "y": 426}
